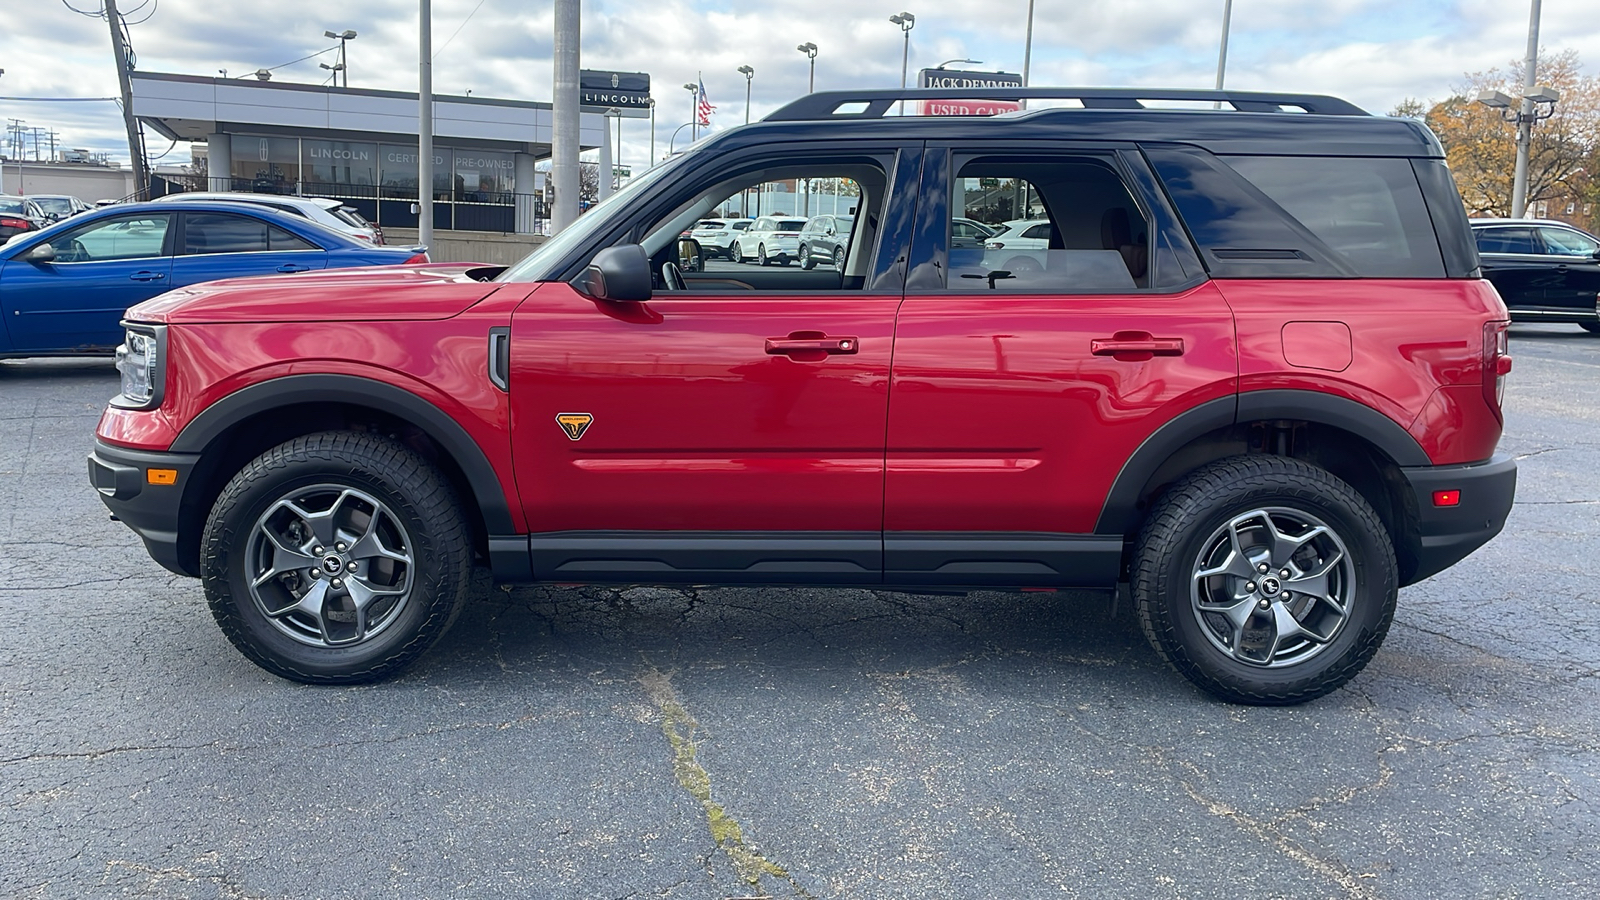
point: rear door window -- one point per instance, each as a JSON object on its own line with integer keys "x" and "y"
{"x": 1507, "y": 240}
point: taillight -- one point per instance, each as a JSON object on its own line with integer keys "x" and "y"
{"x": 416, "y": 259}
{"x": 1496, "y": 363}
{"x": 994, "y": 245}
{"x": 8, "y": 222}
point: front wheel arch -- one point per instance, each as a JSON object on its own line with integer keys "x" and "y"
{"x": 235, "y": 429}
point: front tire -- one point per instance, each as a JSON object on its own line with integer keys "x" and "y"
{"x": 738, "y": 253}
{"x": 336, "y": 558}
{"x": 806, "y": 262}
{"x": 1591, "y": 327}
{"x": 1264, "y": 580}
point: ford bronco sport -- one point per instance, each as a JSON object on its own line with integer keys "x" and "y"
{"x": 1253, "y": 373}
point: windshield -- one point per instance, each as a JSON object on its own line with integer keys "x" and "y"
{"x": 54, "y": 204}
{"x": 11, "y": 205}
{"x": 537, "y": 266}
{"x": 790, "y": 225}
{"x": 350, "y": 216}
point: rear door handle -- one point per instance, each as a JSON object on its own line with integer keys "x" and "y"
{"x": 795, "y": 343}
{"x": 1136, "y": 345}
{"x": 144, "y": 275}
{"x": 293, "y": 267}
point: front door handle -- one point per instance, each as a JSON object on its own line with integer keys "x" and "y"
{"x": 143, "y": 275}
{"x": 808, "y": 343}
{"x": 1135, "y": 346}
{"x": 293, "y": 267}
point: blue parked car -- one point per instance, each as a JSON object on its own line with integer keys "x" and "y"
{"x": 63, "y": 290}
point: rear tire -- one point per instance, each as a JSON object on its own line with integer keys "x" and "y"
{"x": 761, "y": 255}
{"x": 336, "y": 558}
{"x": 1591, "y": 327}
{"x": 1300, "y": 628}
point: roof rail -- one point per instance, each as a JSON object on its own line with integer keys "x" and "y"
{"x": 874, "y": 104}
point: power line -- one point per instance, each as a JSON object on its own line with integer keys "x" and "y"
{"x": 453, "y": 33}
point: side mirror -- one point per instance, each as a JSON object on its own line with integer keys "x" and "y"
{"x": 618, "y": 274}
{"x": 38, "y": 253}
{"x": 690, "y": 255}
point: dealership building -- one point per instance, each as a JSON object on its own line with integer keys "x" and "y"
{"x": 360, "y": 146}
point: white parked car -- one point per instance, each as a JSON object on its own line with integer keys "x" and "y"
{"x": 716, "y": 236}
{"x": 1019, "y": 246}
{"x": 324, "y": 211}
{"x": 771, "y": 238}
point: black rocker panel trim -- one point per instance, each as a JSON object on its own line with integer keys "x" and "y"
{"x": 915, "y": 559}
{"x": 221, "y": 416}
{"x": 1003, "y": 559}
{"x": 708, "y": 557}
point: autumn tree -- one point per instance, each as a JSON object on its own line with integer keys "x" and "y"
{"x": 1481, "y": 145}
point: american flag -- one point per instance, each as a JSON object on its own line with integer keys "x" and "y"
{"x": 702, "y": 106}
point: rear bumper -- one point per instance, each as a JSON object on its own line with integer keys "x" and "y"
{"x": 1447, "y": 534}
{"x": 151, "y": 510}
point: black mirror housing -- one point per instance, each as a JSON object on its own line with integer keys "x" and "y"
{"x": 617, "y": 273}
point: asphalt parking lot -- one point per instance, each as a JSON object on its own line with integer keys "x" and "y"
{"x": 588, "y": 743}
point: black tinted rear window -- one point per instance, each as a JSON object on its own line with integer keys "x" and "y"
{"x": 1369, "y": 211}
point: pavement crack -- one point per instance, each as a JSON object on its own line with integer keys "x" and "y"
{"x": 684, "y": 734}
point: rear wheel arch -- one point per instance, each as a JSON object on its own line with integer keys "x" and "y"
{"x": 237, "y": 428}
{"x": 1355, "y": 443}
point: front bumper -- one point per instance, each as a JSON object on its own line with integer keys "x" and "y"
{"x": 1447, "y": 534}
{"x": 153, "y": 511}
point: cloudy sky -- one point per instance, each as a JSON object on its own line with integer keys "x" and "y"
{"x": 1373, "y": 52}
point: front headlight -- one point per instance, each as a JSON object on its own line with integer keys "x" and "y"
{"x": 141, "y": 360}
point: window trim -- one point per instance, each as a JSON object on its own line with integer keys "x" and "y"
{"x": 1174, "y": 265}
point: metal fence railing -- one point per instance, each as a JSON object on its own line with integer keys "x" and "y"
{"x": 395, "y": 207}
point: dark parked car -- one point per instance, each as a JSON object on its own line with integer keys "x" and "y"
{"x": 1546, "y": 271}
{"x": 825, "y": 239}
{"x": 63, "y": 290}
{"x": 17, "y": 215}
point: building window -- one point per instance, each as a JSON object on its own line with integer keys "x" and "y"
{"x": 482, "y": 176}
{"x": 266, "y": 165}
{"x": 339, "y": 168}
{"x": 397, "y": 168}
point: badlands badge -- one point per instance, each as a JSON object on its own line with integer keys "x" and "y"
{"x": 574, "y": 424}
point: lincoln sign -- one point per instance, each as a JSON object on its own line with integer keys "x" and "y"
{"x": 951, "y": 78}
{"x": 625, "y": 91}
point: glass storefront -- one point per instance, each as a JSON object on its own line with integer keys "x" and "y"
{"x": 266, "y": 165}
{"x": 476, "y": 187}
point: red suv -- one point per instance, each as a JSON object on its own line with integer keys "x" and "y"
{"x": 1254, "y": 373}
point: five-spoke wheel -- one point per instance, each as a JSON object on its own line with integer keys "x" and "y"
{"x": 336, "y": 557}
{"x": 1264, "y": 579}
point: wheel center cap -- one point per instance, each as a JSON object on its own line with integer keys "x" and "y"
{"x": 332, "y": 565}
{"x": 1270, "y": 586}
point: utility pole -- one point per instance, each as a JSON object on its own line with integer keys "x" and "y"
{"x": 564, "y": 137}
{"x": 425, "y": 124}
{"x": 1222, "y": 53}
{"x": 119, "y": 47}
{"x": 1519, "y": 182}
{"x": 1027, "y": 51}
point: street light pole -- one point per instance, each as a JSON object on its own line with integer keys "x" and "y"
{"x": 1519, "y": 181}
{"x": 652, "y": 102}
{"x": 694, "y": 111}
{"x": 906, "y": 21}
{"x": 810, "y": 50}
{"x": 749, "y": 76}
{"x": 343, "y": 37}
{"x": 425, "y": 123}
{"x": 1222, "y": 54}
{"x": 565, "y": 139}
{"x": 1027, "y": 51}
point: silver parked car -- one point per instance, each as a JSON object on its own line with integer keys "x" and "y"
{"x": 324, "y": 211}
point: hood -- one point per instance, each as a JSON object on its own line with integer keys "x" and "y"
{"x": 378, "y": 293}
